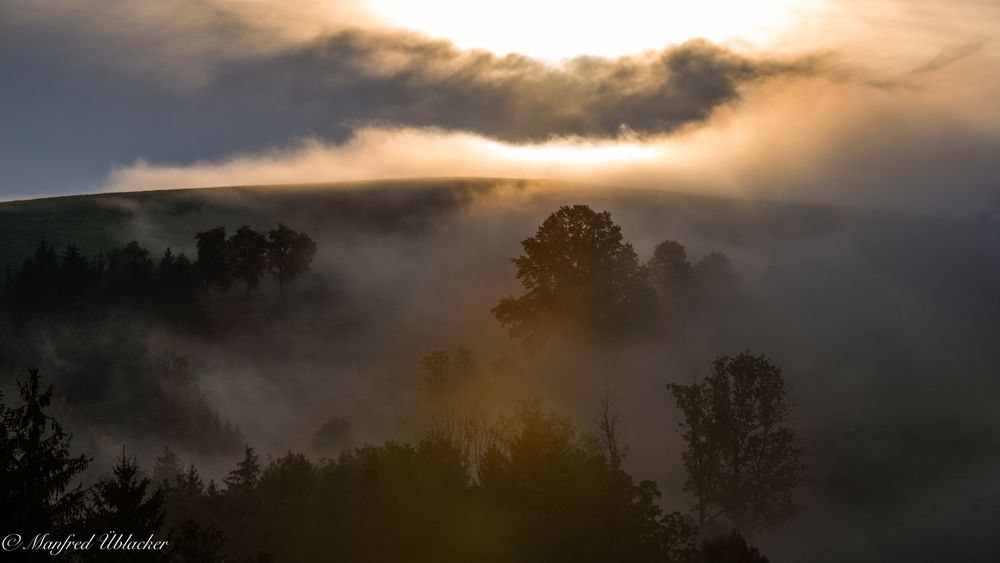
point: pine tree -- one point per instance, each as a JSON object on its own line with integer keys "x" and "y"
{"x": 123, "y": 503}
{"x": 184, "y": 497}
{"x": 242, "y": 509}
{"x": 244, "y": 478}
{"x": 36, "y": 468}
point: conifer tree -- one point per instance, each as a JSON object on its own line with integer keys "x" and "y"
{"x": 37, "y": 470}
{"x": 123, "y": 502}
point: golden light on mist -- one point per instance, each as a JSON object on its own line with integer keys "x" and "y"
{"x": 559, "y": 29}
{"x": 571, "y": 152}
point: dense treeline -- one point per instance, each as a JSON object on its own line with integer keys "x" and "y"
{"x": 66, "y": 284}
{"x": 95, "y": 323}
{"x": 538, "y": 492}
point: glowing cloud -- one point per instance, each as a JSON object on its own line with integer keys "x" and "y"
{"x": 556, "y": 29}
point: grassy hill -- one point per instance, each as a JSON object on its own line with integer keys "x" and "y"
{"x": 171, "y": 217}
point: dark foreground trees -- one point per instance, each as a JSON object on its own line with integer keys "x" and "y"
{"x": 537, "y": 492}
{"x": 741, "y": 459}
{"x": 38, "y": 488}
{"x": 728, "y": 548}
{"x": 126, "y": 502}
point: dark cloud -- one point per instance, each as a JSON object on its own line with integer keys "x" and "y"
{"x": 361, "y": 77}
{"x": 197, "y": 84}
{"x": 108, "y": 88}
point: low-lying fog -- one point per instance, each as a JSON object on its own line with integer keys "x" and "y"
{"x": 884, "y": 324}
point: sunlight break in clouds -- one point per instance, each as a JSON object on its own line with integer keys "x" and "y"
{"x": 806, "y": 138}
{"x": 735, "y": 152}
{"x": 557, "y": 29}
{"x": 394, "y": 153}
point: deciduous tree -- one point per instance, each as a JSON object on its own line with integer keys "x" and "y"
{"x": 578, "y": 273}
{"x": 289, "y": 253}
{"x": 248, "y": 249}
{"x": 214, "y": 261}
{"x": 741, "y": 458}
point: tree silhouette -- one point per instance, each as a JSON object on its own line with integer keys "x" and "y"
{"x": 728, "y": 548}
{"x": 36, "y": 467}
{"x": 34, "y": 290}
{"x": 74, "y": 280}
{"x": 741, "y": 457}
{"x": 606, "y": 421}
{"x": 69, "y": 285}
{"x": 289, "y": 253}
{"x": 129, "y": 274}
{"x": 248, "y": 249}
{"x": 579, "y": 274}
{"x": 122, "y": 502}
{"x": 670, "y": 270}
{"x": 178, "y": 287}
{"x": 446, "y": 376}
{"x": 714, "y": 276}
{"x": 241, "y": 507}
{"x": 214, "y": 260}
{"x": 539, "y": 493}
{"x": 565, "y": 499}
{"x": 184, "y": 499}
{"x": 333, "y": 436}
{"x": 244, "y": 477}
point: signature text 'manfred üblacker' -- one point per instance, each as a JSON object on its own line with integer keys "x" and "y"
{"x": 110, "y": 541}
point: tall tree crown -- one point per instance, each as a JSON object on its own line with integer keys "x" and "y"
{"x": 742, "y": 459}
{"x": 579, "y": 273}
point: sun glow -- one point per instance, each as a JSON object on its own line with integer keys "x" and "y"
{"x": 558, "y": 29}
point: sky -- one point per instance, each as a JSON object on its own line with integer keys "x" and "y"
{"x": 883, "y": 103}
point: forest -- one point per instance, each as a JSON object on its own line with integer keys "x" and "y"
{"x": 548, "y": 369}
{"x": 521, "y": 484}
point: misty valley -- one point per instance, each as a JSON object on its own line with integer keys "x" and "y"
{"x": 496, "y": 370}
{"x": 519, "y": 281}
